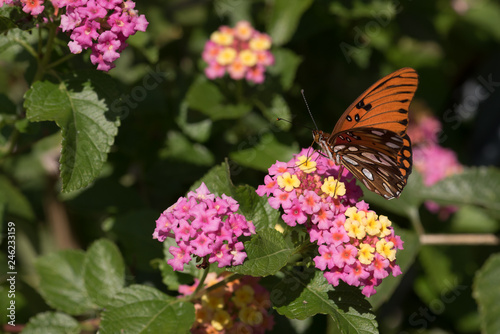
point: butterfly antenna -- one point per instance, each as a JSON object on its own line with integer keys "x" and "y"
{"x": 283, "y": 119}
{"x": 309, "y": 110}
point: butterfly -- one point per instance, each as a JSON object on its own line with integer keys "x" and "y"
{"x": 370, "y": 137}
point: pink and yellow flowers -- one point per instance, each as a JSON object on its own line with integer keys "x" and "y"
{"x": 205, "y": 226}
{"x": 355, "y": 245}
{"x": 240, "y": 306}
{"x": 242, "y": 51}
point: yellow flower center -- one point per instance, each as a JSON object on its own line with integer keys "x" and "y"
{"x": 226, "y": 56}
{"x": 365, "y": 254}
{"x": 333, "y": 187}
{"x": 386, "y": 249}
{"x": 222, "y": 38}
{"x": 305, "y": 164}
{"x": 288, "y": 181}
{"x": 248, "y": 58}
{"x": 260, "y": 43}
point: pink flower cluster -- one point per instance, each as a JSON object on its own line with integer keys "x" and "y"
{"x": 242, "y": 51}
{"x": 430, "y": 159}
{"x": 101, "y": 25}
{"x": 355, "y": 244}
{"x": 359, "y": 248}
{"x": 33, "y": 7}
{"x": 239, "y": 306}
{"x": 205, "y": 226}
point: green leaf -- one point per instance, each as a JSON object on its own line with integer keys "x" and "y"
{"x": 485, "y": 18}
{"x": 6, "y": 24}
{"x": 265, "y": 153}
{"x": 279, "y": 108}
{"x": 405, "y": 259}
{"x": 440, "y": 273}
{"x": 302, "y": 294}
{"x": 360, "y": 9}
{"x": 217, "y": 181}
{"x": 62, "y": 281}
{"x": 104, "y": 272}
{"x": 141, "y": 309}
{"x": 285, "y": 65}
{"x": 87, "y": 132}
{"x": 487, "y": 293}
{"x": 256, "y": 208}
{"x": 285, "y": 17}
{"x": 471, "y": 219}
{"x": 53, "y": 323}
{"x": 180, "y": 148}
{"x": 136, "y": 242}
{"x": 203, "y": 95}
{"x": 479, "y": 186}
{"x": 199, "y": 131}
{"x": 267, "y": 252}
{"x": 206, "y": 97}
{"x": 13, "y": 200}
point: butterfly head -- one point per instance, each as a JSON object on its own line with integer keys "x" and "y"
{"x": 319, "y": 136}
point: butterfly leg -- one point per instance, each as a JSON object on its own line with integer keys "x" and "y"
{"x": 341, "y": 170}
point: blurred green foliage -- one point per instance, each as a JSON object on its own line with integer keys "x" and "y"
{"x": 171, "y": 125}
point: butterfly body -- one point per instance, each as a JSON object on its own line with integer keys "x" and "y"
{"x": 370, "y": 138}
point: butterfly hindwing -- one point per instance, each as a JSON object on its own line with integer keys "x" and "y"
{"x": 375, "y": 157}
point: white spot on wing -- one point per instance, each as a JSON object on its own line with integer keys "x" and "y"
{"x": 369, "y": 155}
{"x": 368, "y": 174}
{"x": 349, "y": 160}
{"x": 352, "y": 148}
{"x": 338, "y": 148}
{"x": 378, "y": 133}
{"x": 392, "y": 145}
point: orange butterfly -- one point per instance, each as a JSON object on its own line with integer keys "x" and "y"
{"x": 370, "y": 138}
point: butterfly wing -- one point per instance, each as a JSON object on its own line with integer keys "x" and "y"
{"x": 379, "y": 158}
{"x": 384, "y": 105}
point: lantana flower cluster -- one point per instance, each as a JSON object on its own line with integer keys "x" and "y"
{"x": 204, "y": 226}
{"x": 101, "y": 25}
{"x": 355, "y": 245}
{"x": 240, "y": 306}
{"x": 432, "y": 160}
{"x": 242, "y": 51}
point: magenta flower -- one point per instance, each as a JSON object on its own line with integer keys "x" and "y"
{"x": 355, "y": 274}
{"x": 242, "y": 52}
{"x": 431, "y": 160}
{"x": 205, "y": 226}
{"x": 268, "y": 187}
{"x": 101, "y": 25}
{"x": 355, "y": 245}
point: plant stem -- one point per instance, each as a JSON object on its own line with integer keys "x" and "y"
{"x": 459, "y": 239}
{"x": 415, "y": 221}
{"x": 202, "y": 281}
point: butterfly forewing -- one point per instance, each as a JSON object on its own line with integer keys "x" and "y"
{"x": 384, "y": 105}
